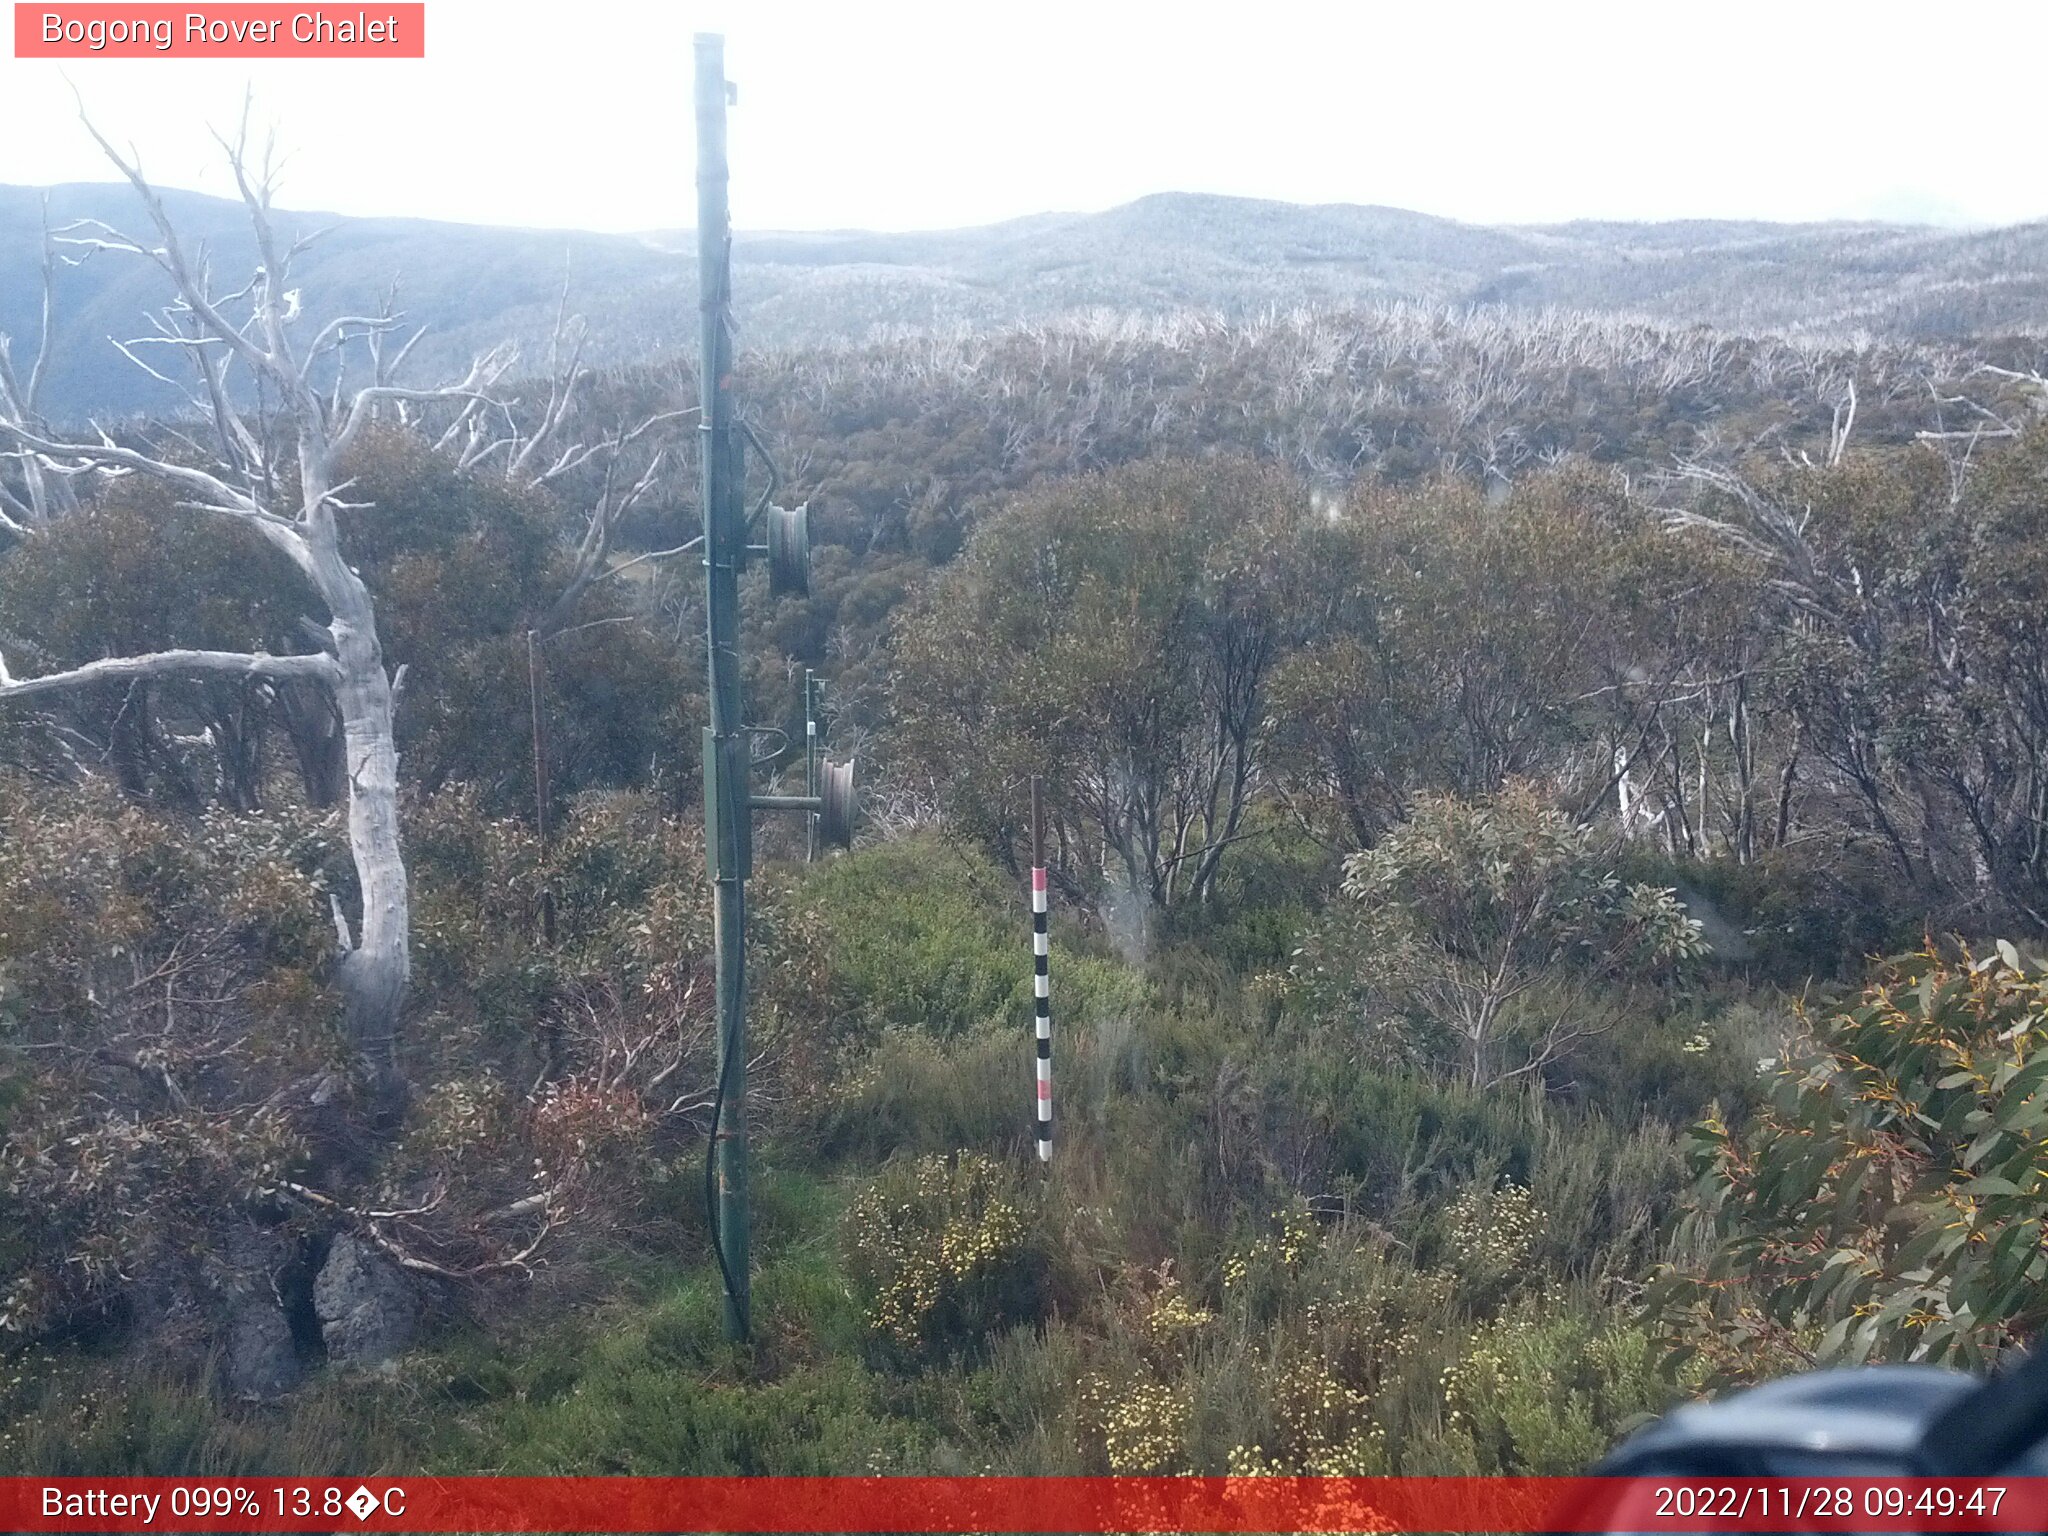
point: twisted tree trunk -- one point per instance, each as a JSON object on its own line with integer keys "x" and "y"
{"x": 377, "y": 966}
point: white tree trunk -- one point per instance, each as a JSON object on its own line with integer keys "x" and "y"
{"x": 375, "y": 971}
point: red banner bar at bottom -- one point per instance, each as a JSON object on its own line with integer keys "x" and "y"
{"x": 1020, "y": 1504}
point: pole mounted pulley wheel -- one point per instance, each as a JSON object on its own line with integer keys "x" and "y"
{"x": 836, "y": 807}
{"x": 789, "y": 551}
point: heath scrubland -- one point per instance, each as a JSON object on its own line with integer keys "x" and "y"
{"x": 1548, "y": 819}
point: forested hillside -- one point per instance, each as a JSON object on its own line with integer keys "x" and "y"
{"x": 1228, "y": 258}
{"x": 1548, "y": 828}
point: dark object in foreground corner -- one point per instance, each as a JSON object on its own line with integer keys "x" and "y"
{"x": 1918, "y": 1421}
{"x": 1870, "y": 1422}
{"x": 1876, "y": 1421}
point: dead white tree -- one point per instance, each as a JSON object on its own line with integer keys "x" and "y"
{"x": 491, "y": 436}
{"x": 37, "y": 499}
{"x": 283, "y": 480}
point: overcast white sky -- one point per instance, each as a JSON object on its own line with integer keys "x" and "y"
{"x": 893, "y": 115}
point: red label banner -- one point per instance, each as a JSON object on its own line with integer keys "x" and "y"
{"x": 1085, "y": 1505}
{"x": 227, "y": 31}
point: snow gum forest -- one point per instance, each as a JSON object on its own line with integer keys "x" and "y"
{"x": 1544, "y": 740}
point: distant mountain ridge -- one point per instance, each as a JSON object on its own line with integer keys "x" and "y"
{"x": 477, "y": 285}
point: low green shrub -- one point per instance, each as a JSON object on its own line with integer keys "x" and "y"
{"x": 1545, "y": 1388}
{"x": 946, "y": 1252}
{"x": 925, "y": 934}
{"x": 905, "y": 1092}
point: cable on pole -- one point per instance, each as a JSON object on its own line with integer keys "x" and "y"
{"x": 1041, "y": 978}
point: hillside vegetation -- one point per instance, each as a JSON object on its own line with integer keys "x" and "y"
{"x": 1546, "y": 819}
{"x": 1219, "y": 257}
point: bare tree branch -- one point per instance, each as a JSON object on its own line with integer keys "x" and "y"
{"x": 217, "y": 491}
{"x": 483, "y": 371}
{"x": 171, "y": 664}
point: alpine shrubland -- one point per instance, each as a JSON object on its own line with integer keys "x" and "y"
{"x": 1546, "y": 825}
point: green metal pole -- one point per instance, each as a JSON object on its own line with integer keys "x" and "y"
{"x": 728, "y": 819}
{"x": 810, "y": 761}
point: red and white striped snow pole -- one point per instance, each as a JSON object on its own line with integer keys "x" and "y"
{"x": 1041, "y": 983}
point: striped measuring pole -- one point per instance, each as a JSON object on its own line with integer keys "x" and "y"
{"x": 1041, "y": 981}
